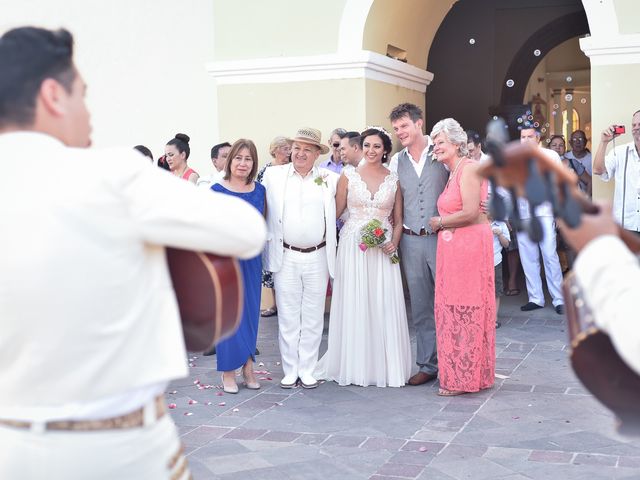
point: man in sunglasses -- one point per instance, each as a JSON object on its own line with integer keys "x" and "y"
{"x": 580, "y": 154}
{"x": 334, "y": 163}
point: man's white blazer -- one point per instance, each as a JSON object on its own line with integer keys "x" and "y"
{"x": 275, "y": 181}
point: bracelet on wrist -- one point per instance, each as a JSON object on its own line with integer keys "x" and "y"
{"x": 440, "y": 226}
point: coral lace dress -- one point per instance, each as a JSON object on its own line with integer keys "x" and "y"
{"x": 464, "y": 298}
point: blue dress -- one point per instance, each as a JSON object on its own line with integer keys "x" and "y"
{"x": 234, "y": 351}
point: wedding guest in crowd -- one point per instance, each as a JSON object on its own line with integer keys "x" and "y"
{"x": 465, "y": 308}
{"x": 144, "y": 151}
{"x": 580, "y": 155}
{"x": 350, "y": 149}
{"x": 531, "y": 252}
{"x": 219, "y": 154}
{"x": 334, "y": 162}
{"x": 239, "y": 349}
{"x": 557, "y": 144}
{"x": 622, "y": 163}
{"x": 177, "y": 152}
{"x": 501, "y": 239}
{"x": 368, "y": 333}
{"x": 300, "y": 252}
{"x": 280, "y": 151}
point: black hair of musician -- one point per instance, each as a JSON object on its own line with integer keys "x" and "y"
{"x": 29, "y": 56}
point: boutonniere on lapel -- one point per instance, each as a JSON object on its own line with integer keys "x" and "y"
{"x": 321, "y": 179}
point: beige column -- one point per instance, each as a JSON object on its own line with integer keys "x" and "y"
{"x": 614, "y": 51}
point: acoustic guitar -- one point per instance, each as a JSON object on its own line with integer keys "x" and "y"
{"x": 526, "y": 172}
{"x": 209, "y": 291}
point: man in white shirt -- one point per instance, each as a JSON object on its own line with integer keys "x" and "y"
{"x": 84, "y": 284}
{"x": 219, "y": 154}
{"x": 609, "y": 275}
{"x": 422, "y": 180}
{"x": 530, "y": 252}
{"x": 301, "y": 251}
{"x": 622, "y": 164}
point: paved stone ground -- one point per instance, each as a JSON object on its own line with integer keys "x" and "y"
{"x": 536, "y": 423}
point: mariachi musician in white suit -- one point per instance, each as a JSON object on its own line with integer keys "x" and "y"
{"x": 301, "y": 252}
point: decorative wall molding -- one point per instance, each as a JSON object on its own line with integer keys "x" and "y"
{"x": 612, "y": 50}
{"x": 357, "y": 64}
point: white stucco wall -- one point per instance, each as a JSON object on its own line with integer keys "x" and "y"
{"x": 144, "y": 63}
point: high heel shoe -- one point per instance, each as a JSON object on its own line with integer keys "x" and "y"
{"x": 227, "y": 389}
{"x": 250, "y": 385}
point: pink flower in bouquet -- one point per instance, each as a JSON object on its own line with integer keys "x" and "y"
{"x": 378, "y": 232}
{"x": 363, "y": 247}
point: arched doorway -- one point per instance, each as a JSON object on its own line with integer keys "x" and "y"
{"x": 485, "y": 53}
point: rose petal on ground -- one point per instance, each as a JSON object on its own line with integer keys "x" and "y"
{"x": 261, "y": 364}
{"x": 192, "y": 402}
{"x": 423, "y": 449}
{"x": 222, "y": 404}
{"x": 196, "y": 381}
{"x": 236, "y": 410}
{"x": 219, "y": 394}
{"x": 188, "y": 414}
{"x": 277, "y": 363}
{"x": 172, "y": 406}
{"x": 173, "y": 392}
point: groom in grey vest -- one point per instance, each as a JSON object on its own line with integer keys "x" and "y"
{"x": 422, "y": 180}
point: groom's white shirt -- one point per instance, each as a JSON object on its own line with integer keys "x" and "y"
{"x": 275, "y": 181}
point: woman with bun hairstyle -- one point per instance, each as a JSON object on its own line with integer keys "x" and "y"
{"x": 177, "y": 152}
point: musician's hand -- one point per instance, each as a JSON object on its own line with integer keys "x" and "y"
{"x": 484, "y": 206}
{"x": 607, "y": 134}
{"x": 592, "y": 226}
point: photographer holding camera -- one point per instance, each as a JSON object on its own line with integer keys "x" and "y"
{"x": 623, "y": 164}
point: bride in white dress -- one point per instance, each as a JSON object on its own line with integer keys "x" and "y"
{"x": 368, "y": 333}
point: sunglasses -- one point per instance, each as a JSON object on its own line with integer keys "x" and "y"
{"x": 336, "y": 144}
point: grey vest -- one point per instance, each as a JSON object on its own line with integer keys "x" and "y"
{"x": 420, "y": 195}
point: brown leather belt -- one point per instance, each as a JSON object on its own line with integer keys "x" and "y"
{"x": 422, "y": 233}
{"x": 129, "y": 420}
{"x": 304, "y": 250}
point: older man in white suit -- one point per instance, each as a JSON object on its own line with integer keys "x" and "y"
{"x": 301, "y": 251}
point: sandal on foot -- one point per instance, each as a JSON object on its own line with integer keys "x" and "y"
{"x": 269, "y": 312}
{"x": 512, "y": 292}
{"x": 450, "y": 393}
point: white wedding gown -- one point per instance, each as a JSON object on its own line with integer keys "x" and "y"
{"x": 368, "y": 333}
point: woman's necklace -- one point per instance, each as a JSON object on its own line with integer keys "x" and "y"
{"x": 453, "y": 174}
{"x": 184, "y": 170}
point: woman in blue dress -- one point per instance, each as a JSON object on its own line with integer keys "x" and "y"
{"x": 239, "y": 349}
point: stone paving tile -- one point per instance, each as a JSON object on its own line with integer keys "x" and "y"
{"x": 549, "y": 456}
{"x": 344, "y": 441}
{"x": 381, "y": 443}
{"x": 413, "y": 446}
{"x": 516, "y": 387}
{"x": 413, "y": 458}
{"x": 400, "y": 470}
{"x": 244, "y": 434}
{"x": 275, "y": 436}
{"x": 312, "y": 438}
{"x": 203, "y": 435}
{"x": 592, "y": 459}
{"x": 629, "y": 462}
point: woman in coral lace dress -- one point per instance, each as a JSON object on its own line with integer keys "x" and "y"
{"x": 465, "y": 297}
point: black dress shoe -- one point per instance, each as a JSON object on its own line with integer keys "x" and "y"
{"x": 530, "y": 306}
{"x": 211, "y": 351}
{"x": 559, "y": 309}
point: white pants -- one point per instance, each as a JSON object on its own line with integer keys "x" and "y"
{"x": 530, "y": 258}
{"x": 301, "y": 284}
{"x": 152, "y": 452}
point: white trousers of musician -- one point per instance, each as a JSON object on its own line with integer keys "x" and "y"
{"x": 301, "y": 286}
{"x": 153, "y": 451}
{"x": 530, "y": 258}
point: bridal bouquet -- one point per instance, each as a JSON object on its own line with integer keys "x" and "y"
{"x": 373, "y": 235}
